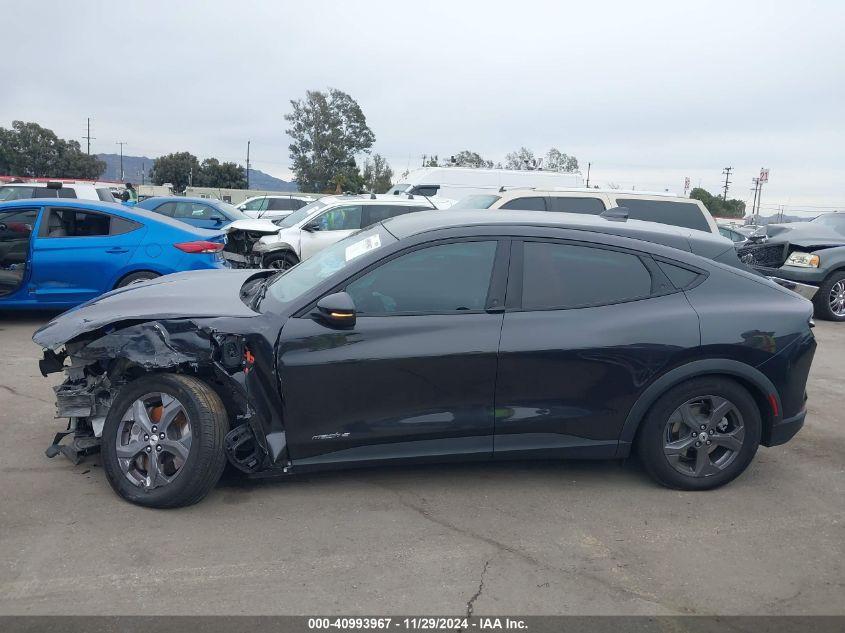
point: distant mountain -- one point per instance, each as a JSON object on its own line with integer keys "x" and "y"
{"x": 135, "y": 166}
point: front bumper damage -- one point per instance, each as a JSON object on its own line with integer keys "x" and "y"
{"x": 100, "y": 364}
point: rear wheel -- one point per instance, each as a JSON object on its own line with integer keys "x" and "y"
{"x": 135, "y": 278}
{"x": 829, "y": 301}
{"x": 280, "y": 261}
{"x": 700, "y": 434}
{"x": 163, "y": 441}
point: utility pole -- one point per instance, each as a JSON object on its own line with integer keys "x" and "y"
{"x": 143, "y": 172}
{"x": 89, "y": 138}
{"x": 727, "y": 173}
{"x": 247, "y": 163}
{"x": 756, "y": 182}
{"x": 588, "y": 174}
{"x": 121, "y": 143}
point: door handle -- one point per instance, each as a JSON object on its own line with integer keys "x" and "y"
{"x": 116, "y": 250}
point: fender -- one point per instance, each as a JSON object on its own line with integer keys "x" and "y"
{"x": 277, "y": 246}
{"x": 710, "y": 366}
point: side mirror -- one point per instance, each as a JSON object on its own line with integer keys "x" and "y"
{"x": 217, "y": 219}
{"x": 336, "y": 310}
{"x": 312, "y": 226}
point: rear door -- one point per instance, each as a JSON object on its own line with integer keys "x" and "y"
{"x": 587, "y": 328}
{"x": 79, "y": 253}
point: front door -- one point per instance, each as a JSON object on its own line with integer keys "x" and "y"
{"x": 329, "y": 227}
{"x": 587, "y": 329}
{"x": 16, "y": 228}
{"x": 416, "y": 375}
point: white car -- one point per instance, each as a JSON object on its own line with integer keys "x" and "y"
{"x": 273, "y": 207}
{"x": 326, "y": 221}
{"x": 55, "y": 189}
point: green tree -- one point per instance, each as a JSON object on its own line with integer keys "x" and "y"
{"x": 558, "y": 161}
{"x": 378, "y": 176}
{"x": 717, "y": 205}
{"x": 31, "y": 150}
{"x": 177, "y": 169}
{"x": 466, "y": 158}
{"x": 213, "y": 173}
{"x": 328, "y": 129}
{"x": 523, "y": 158}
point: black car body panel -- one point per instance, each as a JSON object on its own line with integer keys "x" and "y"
{"x": 499, "y": 381}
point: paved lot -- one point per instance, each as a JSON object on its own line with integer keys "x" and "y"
{"x": 542, "y": 538}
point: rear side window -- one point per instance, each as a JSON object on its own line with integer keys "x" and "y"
{"x": 380, "y": 212}
{"x": 168, "y": 209}
{"x": 425, "y": 190}
{"x": 74, "y": 223}
{"x": 66, "y": 193}
{"x": 105, "y": 195}
{"x": 533, "y": 203}
{"x": 15, "y": 193}
{"x": 119, "y": 226}
{"x": 685, "y": 214}
{"x": 281, "y": 204}
{"x": 558, "y": 276}
{"x": 592, "y": 206}
{"x": 44, "y": 192}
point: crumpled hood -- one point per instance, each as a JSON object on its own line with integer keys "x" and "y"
{"x": 195, "y": 294}
{"x": 256, "y": 225}
{"x": 804, "y": 234}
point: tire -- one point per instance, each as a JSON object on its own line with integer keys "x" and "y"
{"x": 202, "y": 412}
{"x": 281, "y": 260}
{"x": 822, "y": 301}
{"x": 665, "y": 431}
{"x": 135, "y": 278}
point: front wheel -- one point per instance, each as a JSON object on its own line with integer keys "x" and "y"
{"x": 280, "y": 261}
{"x": 700, "y": 434}
{"x": 829, "y": 301}
{"x": 162, "y": 443}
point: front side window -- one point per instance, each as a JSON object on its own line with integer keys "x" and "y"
{"x": 194, "y": 211}
{"x": 345, "y": 218}
{"x": 442, "y": 279}
{"x": 531, "y": 203}
{"x": 259, "y": 204}
{"x": 74, "y": 223}
{"x": 559, "y": 276}
{"x": 15, "y": 193}
{"x": 592, "y": 206}
{"x": 298, "y": 216}
{"x": 684, "y": 214}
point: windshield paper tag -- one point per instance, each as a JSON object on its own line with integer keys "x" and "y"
{"x": 359, "y": 248}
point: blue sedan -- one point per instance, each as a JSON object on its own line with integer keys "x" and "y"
{"x": 205, "y": 213}
{"x": 56, "y": 254}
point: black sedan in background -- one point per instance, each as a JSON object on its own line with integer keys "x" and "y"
{"x": 439, "y": 336}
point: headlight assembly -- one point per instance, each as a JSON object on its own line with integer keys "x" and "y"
{"x": 805, "y": 260}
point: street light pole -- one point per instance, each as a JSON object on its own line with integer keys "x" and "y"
{"x": 121, "y": 143}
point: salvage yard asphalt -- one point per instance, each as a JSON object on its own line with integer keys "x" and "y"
{"x": 527, "y": 538}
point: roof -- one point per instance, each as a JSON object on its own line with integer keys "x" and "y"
{"x": 182, "y": 199}
{"x": 382, "y": 198}
{"x": 678, "y": 237}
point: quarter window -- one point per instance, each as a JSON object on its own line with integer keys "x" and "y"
{"x": 567, "y": 276}
{"x": 533, "y": 203}
{"x": 447, "y": 278}
{"x": 592, "y": 206}
{"x": 685, "y": 214}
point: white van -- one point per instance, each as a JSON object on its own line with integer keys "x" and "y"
{"x": 459, "y": 182}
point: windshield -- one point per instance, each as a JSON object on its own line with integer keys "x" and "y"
{"x": 475, "y": 202}
{"x": 306, "y": 275}
{"x": 402, "y": 187}
{"x": 301, "y": 214}
{"x": 835, "y": 220}
{"x": 15, "y": 193}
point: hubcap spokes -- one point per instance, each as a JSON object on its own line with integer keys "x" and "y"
{"x": 837, "y": 298}
{"x": 153, "y": 440}
{"x": 703, "y": 436}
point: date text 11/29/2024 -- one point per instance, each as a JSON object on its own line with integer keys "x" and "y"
{"x": 418, "y": 623}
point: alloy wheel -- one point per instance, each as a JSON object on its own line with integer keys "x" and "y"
{"x": 703, "y": 436}
{"x": 836, "y": 299}
{"x": 153, "y": 440}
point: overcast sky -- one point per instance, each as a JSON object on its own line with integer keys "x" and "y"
{"x": 648, "y": 91}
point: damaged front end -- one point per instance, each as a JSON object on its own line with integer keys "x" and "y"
{"x": 231, "y": 354}
{"x": 241, "y": 238}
